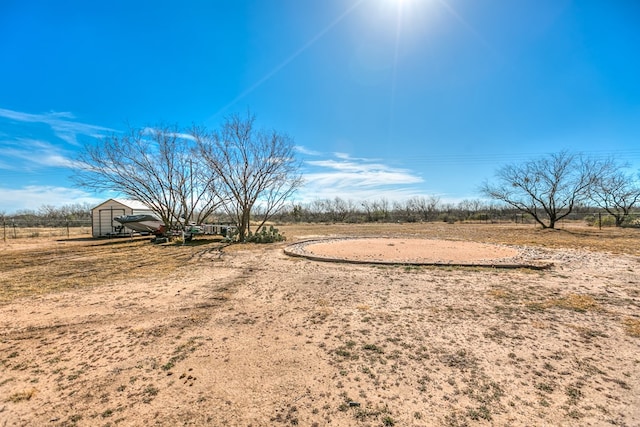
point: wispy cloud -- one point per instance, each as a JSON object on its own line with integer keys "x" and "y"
{"x": 304, "y": 150}
{"x": 34, "y": 196}
{"x": 63, "y": 124}
{"x": 29, "y": 154}
{"x": 357, "y": 178}
{"x": 181, "y": 135}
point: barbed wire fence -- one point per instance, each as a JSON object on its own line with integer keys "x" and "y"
{"x": 20, "y": 229}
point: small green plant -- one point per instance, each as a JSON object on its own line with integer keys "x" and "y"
{"x": 151, "y": 390}
{"x": 264, "y": 235}
{"x": 545, "y": 387}
{"x": 373, "y": 347}
{"x": 574, "y": 393}
{"x": 600, "y": 221}
{"x": 479, "y": 413}
{"x": 388, "y": 421}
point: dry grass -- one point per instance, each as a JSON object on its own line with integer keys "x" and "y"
{"x": 632, "y": 326}
{"x": 9, "y": 233}
{"x": 22, "y": 395}
{"x": 576, "y": 302}
{"x": 82, "y": 263}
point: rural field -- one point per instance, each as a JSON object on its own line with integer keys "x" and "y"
{"x": 123, "y": 332}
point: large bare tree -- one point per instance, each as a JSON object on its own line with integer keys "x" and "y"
{"x": 547, "y": 188}
{"x": 616, "y": 192}
{"x": 257, "y": 169}
{"x": 160, "y": 167}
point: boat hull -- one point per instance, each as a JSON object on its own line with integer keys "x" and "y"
{"x": 140, "y": 223}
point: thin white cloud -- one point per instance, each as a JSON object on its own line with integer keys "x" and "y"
{"x": 62, "y": 124}
{"x": 304, "y": 150}
{"x": 28, "y": 117}
{"x": 181, "y": 135}
{"x": 345, "y": 156}
{"x": 356, "y": 178}
{"x": 361, "y": 173}
{"x": 34, "y": 196}
{"x": 28, "y": 154}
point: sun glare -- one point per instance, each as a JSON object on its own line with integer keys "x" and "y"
{"x": 403, "y": 3}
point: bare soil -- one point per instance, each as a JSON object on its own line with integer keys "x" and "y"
{"x": 125, "y": 333}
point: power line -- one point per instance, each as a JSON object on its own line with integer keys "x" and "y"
{"x": 502, "y": 158}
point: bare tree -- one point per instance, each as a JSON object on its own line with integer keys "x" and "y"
{"x": 471, "y": 208}
{"x": 425, "y": 207}
{"x": 547, "y": 188}
{"x": 253, "y": 166}
{"x": 339, "y": 209}
{"x": 158, "y": 166}
{"x": 317, "y": 210}
{"x": 616, "y": 192}
{"x": 376, "y": 210}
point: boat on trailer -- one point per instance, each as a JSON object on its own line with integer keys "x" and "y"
{"x": 146, "y": 223}
{"x": 142, "y": 223}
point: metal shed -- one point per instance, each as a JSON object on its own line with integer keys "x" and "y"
{"x": 102, "y": 222}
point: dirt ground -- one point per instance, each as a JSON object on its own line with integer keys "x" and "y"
{"x": 126, "y": 333}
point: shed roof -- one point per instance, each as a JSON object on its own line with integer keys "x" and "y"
{"x": 132, "y": 204}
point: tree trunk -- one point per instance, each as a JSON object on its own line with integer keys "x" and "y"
{"x": 244, "y": 225}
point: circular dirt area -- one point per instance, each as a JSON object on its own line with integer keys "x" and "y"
{"x": 409, "y": 251}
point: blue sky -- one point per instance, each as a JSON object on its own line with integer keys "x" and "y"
{"x": 384, "y": 98}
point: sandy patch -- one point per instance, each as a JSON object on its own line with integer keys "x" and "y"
{"x": 395, "y": 250}
{"x": 408, "y": 250}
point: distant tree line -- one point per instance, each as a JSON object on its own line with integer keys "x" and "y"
{"x": 74, "y": 214}
{"x": 432, "y": 209}
{"x": 338, "y": 210}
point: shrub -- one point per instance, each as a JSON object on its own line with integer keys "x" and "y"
{"x": 264, "y": 235}
{"x": 594, "y": 221}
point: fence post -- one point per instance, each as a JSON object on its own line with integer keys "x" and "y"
{"x": 67, "y": 230}
{"x": 4, "y": 229}
{"x": 15, "y": 236}
{"x": 599, "y": 220}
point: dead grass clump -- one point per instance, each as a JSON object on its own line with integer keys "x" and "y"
{"x": 575, "y": 302}
{"x": 499, "y": 293}
{"x": 22, "y": 395}
{"x": 323, "y": 310}
{"x": 503, "y": 294}
{"x": 632, "y": 326}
